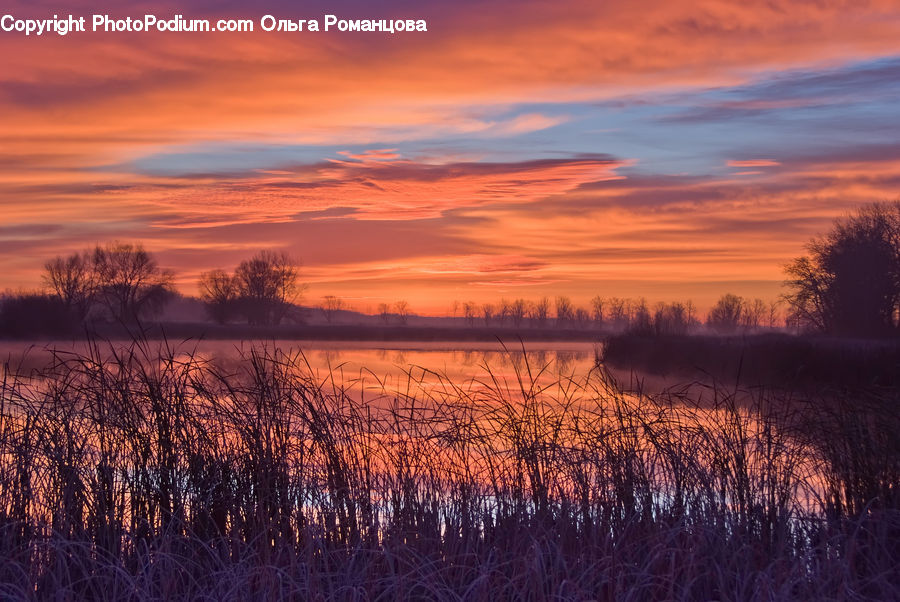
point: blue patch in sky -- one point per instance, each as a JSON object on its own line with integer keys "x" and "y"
{"x": 686, "y": 132}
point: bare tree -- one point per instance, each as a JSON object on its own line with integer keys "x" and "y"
{"x": 331, "y": 305}
{"x": 129, "y": 281}
{"x": 726, "y": 314}
{"x": 268, "y": 286}
{"x": 774, "y": 313}
{"x": 540, "y": 312}
{"x": 504, "y": 310}
{"x": 670, "y": 319}
{"x": 618, "y": 312}
{"x": 565, "y": 312}
{"x": 401, "y": 308}
{"x": 517, "y": 311}
{"x": 754, "y": 313}
{"x": 641, "y": 321}
{"x": 691, "y": 314}
{"x": 487, "y": 312}
{"x": 469, "y": 311}
{"x": 219, "y": 293}
{"x": 597, "y": 305}
{"x": 384, "y": 310}
{"x": 73, "y": 280}
{"x": 582, "y": 317}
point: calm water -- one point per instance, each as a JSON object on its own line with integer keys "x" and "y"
{"x": 369, "y": 366}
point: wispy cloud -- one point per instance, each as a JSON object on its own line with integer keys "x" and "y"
{"x": 656, "y": 146}
{"x": 753, "y": 163}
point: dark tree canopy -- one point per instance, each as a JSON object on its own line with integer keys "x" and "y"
{"x": 849, "y": 284}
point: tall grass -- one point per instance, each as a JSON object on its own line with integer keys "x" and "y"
{"x": 809, "y": 362}
{"x": 144, "y": 472}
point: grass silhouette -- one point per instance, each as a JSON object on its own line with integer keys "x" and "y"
{"x": 143, "y": 471}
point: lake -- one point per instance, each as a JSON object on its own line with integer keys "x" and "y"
{"x": 370, "y": 366}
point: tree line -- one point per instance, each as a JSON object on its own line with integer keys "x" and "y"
{"x": 123, "y": 283}
{"x": 848, "y": 284}
{"x": 263, "y": 290}
{"x": 119, "y": 282}
{"x": 729, "y": 314}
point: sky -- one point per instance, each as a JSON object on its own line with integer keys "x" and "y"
{"x": 664, "y": 149}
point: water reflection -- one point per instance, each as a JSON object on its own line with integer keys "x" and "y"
{"x": 552, "y": 389}
{"x": 357, "y": 364}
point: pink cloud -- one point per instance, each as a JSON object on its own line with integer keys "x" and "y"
{"x": 377, "y": 189}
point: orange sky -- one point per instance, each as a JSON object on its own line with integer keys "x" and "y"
{"x": 670, "y": 150}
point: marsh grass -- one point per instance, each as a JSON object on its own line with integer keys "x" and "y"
{"x": 810, "y": 362}
{"x": 143, "y": 472}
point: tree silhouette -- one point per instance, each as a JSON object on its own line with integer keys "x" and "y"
{"x": 129, "y": 281}
{"x": 754, "y": 314}
{"x": 671, "y": 319}
{"x": 331, "y": 305}
{"x": 487, "y": 312}
{"x": 849, "y": 284}
{"x": 597, "y": 304}
{"x": 469, "y": 311}
{"x": 517, "y": 311}
{"x": 618, "y": 312}
{"x": 565, "y": 312}
{"x": 401, "y": 308}
{"x": 540, "y": 312}
{"x": 726, "y": 315}
{"x": 384, "y": 310}
{"x": 219, "y": 292}
{"x": 267, "y": 286}
{"x": 73, "y": 280}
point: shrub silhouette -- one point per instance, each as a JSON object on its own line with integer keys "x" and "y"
{"x": 36, "y": 315}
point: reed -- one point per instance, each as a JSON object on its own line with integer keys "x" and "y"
{"x": 144, "y": 471}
